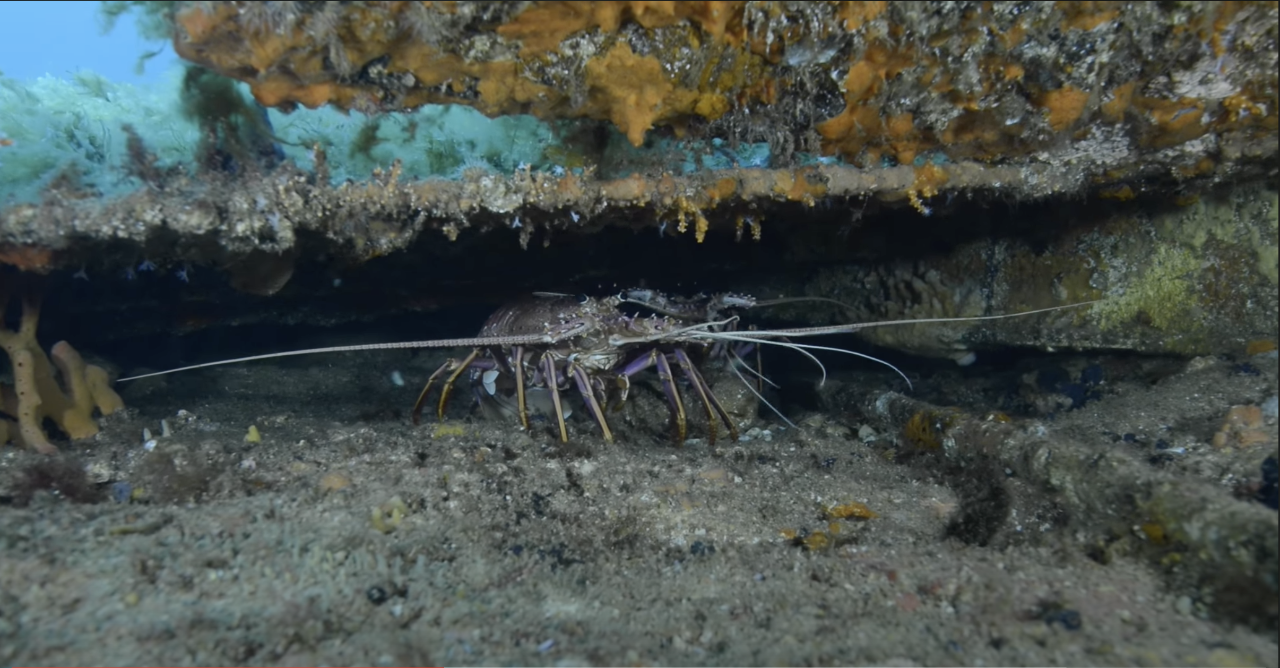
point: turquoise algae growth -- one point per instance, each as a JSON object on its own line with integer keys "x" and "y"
{"x": 79, "y": 126}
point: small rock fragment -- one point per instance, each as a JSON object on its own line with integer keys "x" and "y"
{"x": 1269, "y": 492}
{"x": 1243, "y": 427}
{"x": 376, "y": 595}
{"x": 334, "y": 482}
{"x": 1271, "y": 407}
{"x": 851, "y": 509}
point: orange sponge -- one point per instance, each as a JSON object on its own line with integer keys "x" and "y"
{"x": 36, "y": 393}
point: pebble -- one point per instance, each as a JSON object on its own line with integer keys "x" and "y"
{"x": 866, "y": 433}
{"x": 1267, "y": 492}
{"x": 121, "y": 491}
{"x": 1242, "y": 427}
{"x": 1183, "y": 605}
{"x": 1067, "y": 619}
{"x": 376, "y": 595}
{"x": 1271, "y": 407}
{"x": 334, "y": 482}
{"x": 99, "y": 472}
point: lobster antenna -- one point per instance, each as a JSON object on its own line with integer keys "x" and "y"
{"x": 440, "y": 343}
{"x": 802, "y": 347}
{"x": 757, "y": 334}
{"x": 755, "y": 373}
{"x": 798, "y": 347}
{"x": 733, "y": 368}
{"x": 793, "y": 300}
{"x": 619, "y": 340}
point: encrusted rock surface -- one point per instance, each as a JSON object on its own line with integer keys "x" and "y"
{"x": 1190, "y": 277}
{"x": 1090, "y": 83}
{"x": 1023, "y": 100}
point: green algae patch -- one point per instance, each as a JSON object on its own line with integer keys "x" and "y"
{"x": 1267, "y": 248}
{"x": 1247, "y": 218}
{"x": 1165, "y": 293}
{"x": 1269, "y": 262}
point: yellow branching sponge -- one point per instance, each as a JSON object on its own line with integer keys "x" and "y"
{"x": 36, "y": 393}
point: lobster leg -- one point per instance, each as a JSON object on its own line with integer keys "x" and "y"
{"x": 521, "y": 408}
{"x": 673, "y": 394}
{"x": 686, "y": 365}
{"x": 656, "y": 358}
{"x": 553, "y": 380}
{"x": 602, "y": 392}
{"x": 447, "y": 388}
{"x": 632, "y": 368}
{"x": 624, "y": 389}
{"x": 588, "y": 394}
{"x": 709, "y": 400}
{"x": 449, "y": 365}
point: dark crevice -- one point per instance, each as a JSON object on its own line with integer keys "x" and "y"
{"x": 435, "y": 278}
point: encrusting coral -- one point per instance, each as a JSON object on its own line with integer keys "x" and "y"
{"x": 36, "y": 393}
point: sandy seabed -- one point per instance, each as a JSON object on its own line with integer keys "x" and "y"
{"x": 349, "y": 536}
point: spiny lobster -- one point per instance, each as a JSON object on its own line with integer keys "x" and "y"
{"x": 530, "y": 351}
{"x": 597, "y": 349}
